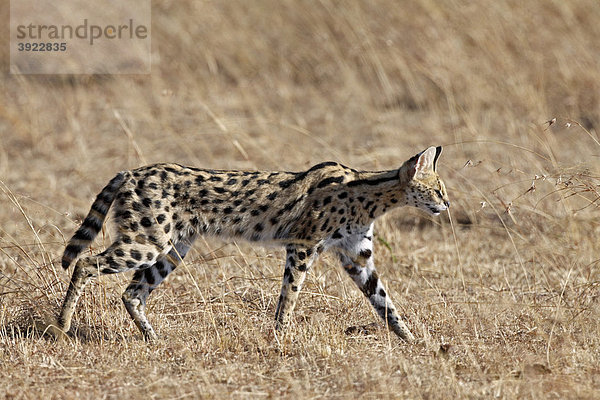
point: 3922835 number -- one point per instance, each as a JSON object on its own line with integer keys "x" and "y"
{"x": 41, "y": 46}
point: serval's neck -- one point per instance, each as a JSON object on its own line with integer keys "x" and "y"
{"x": 377, "y": 192}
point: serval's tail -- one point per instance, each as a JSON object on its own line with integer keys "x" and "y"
{"x": 92, "y": 224}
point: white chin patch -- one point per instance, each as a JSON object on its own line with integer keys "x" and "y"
{"x": 437, "y": 210}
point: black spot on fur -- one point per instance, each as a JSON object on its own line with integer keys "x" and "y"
{"x": 370, "y": 285}
{"x": 136, "y": 255}
{"x": 291, "y": 261}
{"x": 124, "y": 215}
{"x": 162, "y": 270}
{"x": 372, "y": 213}
{"x": 149, "y": 276}
{"x": 288, "y": 275}
{"x": 146, "y": 222}
{"x": 330, "y": 180}
{"x": 366, "y": 253}
{"x": 286, "y": 184}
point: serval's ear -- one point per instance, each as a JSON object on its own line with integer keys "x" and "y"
{"x": 438, "y": 151}
{"x": 426, "y": 160}
{"x": 418, "y": 164}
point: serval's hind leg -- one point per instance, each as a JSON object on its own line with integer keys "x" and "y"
{"x": 145, "y": 281}
{"x": 119, "y": 257}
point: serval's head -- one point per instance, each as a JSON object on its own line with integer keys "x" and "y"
{"x": 423, "y": 187}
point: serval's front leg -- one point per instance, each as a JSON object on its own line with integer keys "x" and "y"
{"x": 298, "y": 261}
{"x": 357, "y": 260}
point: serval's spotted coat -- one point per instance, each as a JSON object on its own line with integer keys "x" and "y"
{"x": 160, "y": 209}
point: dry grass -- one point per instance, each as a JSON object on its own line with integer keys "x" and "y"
{"x": 505, "y": 299}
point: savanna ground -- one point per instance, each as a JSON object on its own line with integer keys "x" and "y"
{"x": 503, "y": 293}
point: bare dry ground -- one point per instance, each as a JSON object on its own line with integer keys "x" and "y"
{"x": 503, "y": 292}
